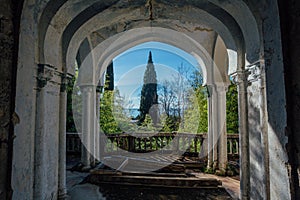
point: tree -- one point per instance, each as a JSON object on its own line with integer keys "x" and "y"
{"x": 70, "y": 119}
{"x": 196, "y": 120}
{"x": 196, "y": 111}
{"x": 109, "y": 77}
{"x": 122, "y": 115}
{"x": 167, "y": 97}
{"x": 173, "y": 98}
{"x": 149, "y": 94}
{"x": 232, "y": 118}
{"x": 108, "y": 123}
{"x": 74, "y": 104}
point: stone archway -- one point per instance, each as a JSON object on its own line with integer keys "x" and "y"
{"x": 42, "y": 70}
{"x": 103, "y": 53}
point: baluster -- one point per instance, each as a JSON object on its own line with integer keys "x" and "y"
{"x": 201, "y": 143}
{"x": 139, "y": 144}
{"x": 112, "y": 144}
{"x": 125, "y": 143}
{"x": 237, "y": 146}
{"x": 118, "y": 141}
{"x": 145, "y": 144}
{"x": 230, "y": 146}
{"x": 195, "y": 144}
{"x": 151, "y": 143}
{"x": 189, "y": 144}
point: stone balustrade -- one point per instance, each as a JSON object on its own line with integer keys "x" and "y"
{"x": 187, "y": 142}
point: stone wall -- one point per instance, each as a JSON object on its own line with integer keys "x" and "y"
{"x": 290, "y": 28}
{"x": 9, "y": 25}
{"x": 256, "y": 151}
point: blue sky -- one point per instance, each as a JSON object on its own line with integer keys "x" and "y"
{"x": 129, "y": 67}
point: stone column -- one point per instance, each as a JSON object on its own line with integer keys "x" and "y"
{"x": 241, "y": 80}
{"x": 46, "y": 132}
{"x": 221, "y": 120}
{"x": 88, "y": 124}
{"x": 85, "y": 129}
{"x": 93, "y": 124}
{"x": 97, "y": 133}
{"x": 210, "y": 130}
{"x": 264, "y": 128}
{"x": 62, "y": 189}
{"x": 258, "y": 130}
{"x": 214, "y": 122}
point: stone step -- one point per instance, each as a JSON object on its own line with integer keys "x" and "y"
{"x": 163, "y": 181}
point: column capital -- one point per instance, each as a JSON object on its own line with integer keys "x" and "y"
{"x": 46, "y": 74}
{"x": 221, "y": 87}
{"x": 250, "y": 74}
{"x": 255, "y": 71}
{"x": 217, "y": 87}
{"x": 87, "y": 88}
{"x": 240, "y": 76}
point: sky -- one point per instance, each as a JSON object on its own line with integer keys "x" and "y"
{"x": 129, "y": 67}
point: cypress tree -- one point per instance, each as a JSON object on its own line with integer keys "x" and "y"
{"x": 109, "y": 77}
{"x": 149, "y": 93}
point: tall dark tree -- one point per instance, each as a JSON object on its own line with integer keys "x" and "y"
{"x": 149, "y": 98}
{"x": 109, "y": 77}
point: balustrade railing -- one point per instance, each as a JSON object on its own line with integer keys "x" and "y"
{"x": 142, "y": 142}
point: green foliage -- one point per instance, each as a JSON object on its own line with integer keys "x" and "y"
{"x": 202, "y": 106}
{"x": 73, "y": 104}
{"x": 209, "y": 170}
{"x": 195, "y": 117}
{"x": 121, "y": 116}
{"x": 170, "y": 123}
{"x": 108, "y": 123}
{"x": 149, "y": 91}
{"x": 109, "y": 108}
{"x": 232, "y": 118}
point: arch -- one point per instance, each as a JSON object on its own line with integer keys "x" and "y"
{"x": 59, "y": 29}
{"x": 247, "y": 23}
{"x": 119, "y": 43}
{"x": 95, "y": 23}
{"x": 226, "y": 33}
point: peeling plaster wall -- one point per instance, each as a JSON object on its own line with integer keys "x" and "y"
{"x": 257, "y": 172}
{"x": 6, "y": 74}
{"x": 276, "y": 103}
{"x": 46, "y": 142}
{"x": 23, "y": 157}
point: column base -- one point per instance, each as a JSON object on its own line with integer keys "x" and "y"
{"x": 215, "y": 165}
